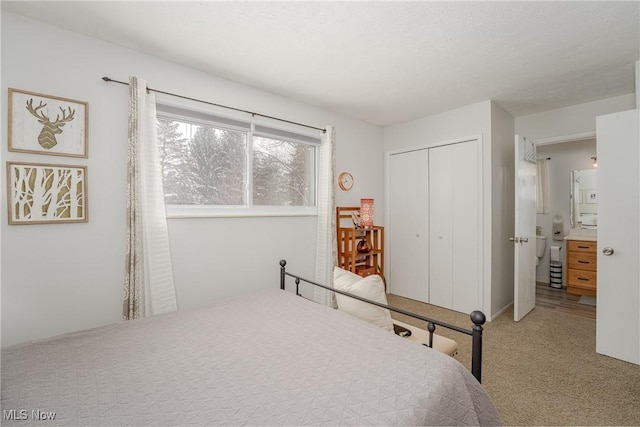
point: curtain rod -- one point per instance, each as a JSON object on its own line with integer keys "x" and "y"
{"x": 108, "y": 79}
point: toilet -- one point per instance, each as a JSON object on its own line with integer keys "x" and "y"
{"x": 541, "y": 247}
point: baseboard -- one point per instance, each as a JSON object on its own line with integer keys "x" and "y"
{"x": 496, "y": 315}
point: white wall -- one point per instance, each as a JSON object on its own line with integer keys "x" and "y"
{"x": 475, "y": 121}
{"x": 65, "y": 277}
{"x": 468, "y": 121}
{"x": 637, "y": 82}
{"x": 573, "y": 120}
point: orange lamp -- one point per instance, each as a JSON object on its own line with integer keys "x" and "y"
{"x": 366, "y": 212}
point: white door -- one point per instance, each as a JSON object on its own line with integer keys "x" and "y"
{"x": 408, "y": 231}
{"x": 618, "y": 282}
{"x": 455, "y": 279}
{"x": 467, "y": 226}
{"x": 524, "y": 239}
{"x": 440, "y": 226}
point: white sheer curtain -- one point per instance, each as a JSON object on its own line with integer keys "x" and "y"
{"x": 148, "y": 287}
{"x": 542, "y": 186}
{"x": 326, "y": 232}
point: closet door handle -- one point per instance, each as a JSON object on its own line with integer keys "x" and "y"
{"x": 520, "y": 240}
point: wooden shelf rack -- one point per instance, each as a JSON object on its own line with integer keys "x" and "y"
{"x": 351, "y": 240}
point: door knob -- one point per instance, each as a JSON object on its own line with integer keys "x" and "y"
{"x": 607, "y": 251}
{"x": 524, "y": 239}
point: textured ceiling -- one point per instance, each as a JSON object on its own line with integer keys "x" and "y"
{"x": 382, "y": 62}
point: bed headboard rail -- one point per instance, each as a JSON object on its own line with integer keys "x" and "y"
{"x": 477, "y": 317}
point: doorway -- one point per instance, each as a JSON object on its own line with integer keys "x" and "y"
{"x": 564, "y": 157}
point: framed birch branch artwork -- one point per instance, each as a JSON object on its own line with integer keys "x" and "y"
{"x": 45, "y": 124}
{"x": 46, "y": 194}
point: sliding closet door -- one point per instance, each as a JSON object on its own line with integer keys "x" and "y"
{"x": 407, "y": 230}
{"x": 466, "y": 229}
{"x": 455, "y": 226}
{"x": 440, "y": 225}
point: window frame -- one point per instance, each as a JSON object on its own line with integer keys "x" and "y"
{"x": 249, "y": 209}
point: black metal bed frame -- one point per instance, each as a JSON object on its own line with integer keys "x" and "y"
{"x": 477, "y": 317}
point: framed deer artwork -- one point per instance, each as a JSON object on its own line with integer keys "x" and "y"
{"x": 45, "y": 124}
{"x": 40, "y": 193}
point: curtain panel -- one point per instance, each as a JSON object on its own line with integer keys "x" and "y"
{"x": 542, "y": 186}
{"x": 148, "y": 283}
{"x": 326, "y": 230}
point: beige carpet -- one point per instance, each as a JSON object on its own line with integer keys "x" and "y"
{"x": 544, "y": 369}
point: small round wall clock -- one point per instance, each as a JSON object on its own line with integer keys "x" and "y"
{"x": 345, "y": 181}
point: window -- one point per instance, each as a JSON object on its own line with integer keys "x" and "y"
{"x": 217, "y": 166}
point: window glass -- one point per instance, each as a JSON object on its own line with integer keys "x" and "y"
{"x": 214, "y": 165}
{"x": 201, "y": 164}
{"x": 283, "y": 172}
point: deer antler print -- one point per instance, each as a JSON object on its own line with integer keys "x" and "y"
{"x": 47, "y": 137}
{"x": 39, "y": 115}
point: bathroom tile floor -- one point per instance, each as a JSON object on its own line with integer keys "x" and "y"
{"x": 559, "y": 300}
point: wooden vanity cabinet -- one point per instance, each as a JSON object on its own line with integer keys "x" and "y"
{"x": 581, "y": 267}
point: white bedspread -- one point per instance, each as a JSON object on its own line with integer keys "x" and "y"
{"x": 269, "y": 358}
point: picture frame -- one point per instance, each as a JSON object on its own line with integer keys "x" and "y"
{"x": 591, "y": 196}
{"x": 32, "y": 129}
{"x": 39, "y": 193}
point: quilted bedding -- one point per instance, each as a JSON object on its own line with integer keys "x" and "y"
{"x": 268, "y": 358}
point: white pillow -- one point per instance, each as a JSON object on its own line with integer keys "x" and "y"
{"x": 370, "y": 287}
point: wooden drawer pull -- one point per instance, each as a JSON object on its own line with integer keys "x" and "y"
{"x": 583, "y": 278}
{"x": 583, "y": 262}
{"x": 583, "y": 247}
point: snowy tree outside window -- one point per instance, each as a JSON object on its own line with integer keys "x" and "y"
{"x": 224, "y": 165}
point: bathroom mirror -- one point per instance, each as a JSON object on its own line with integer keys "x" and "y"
{"x": 584, "y": 199}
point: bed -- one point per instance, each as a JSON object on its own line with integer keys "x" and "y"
{"x": 265, "y": 358}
